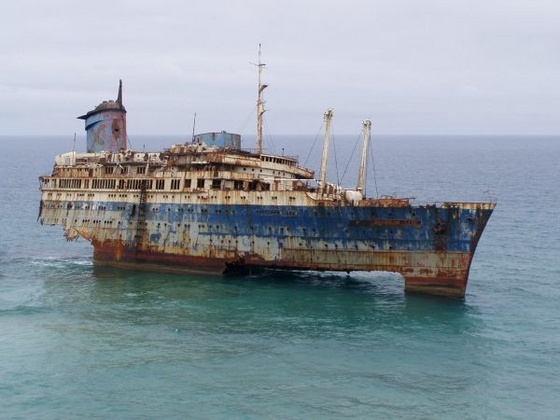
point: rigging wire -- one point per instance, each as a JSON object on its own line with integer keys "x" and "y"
{"x": 313, "y": 145}
{"x": 249, "y": 117}
{"x": 268, "y": 137}
{"x": 335, "y": 161}
{"x": 350, "y": 158}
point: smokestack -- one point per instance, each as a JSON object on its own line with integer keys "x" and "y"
{"x": 106, "y": 126}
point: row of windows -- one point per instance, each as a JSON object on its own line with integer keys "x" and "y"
{"x": 106, "y": 183}
{"x": 103, "y": 183}
{"x": 70, "y": 183}
{"x": 281, "y": 161}
{"x": 123, "y": 170}
{"x": 202, "y": 210}
{"x": 280, "y": 244}
{"x": 148, "y": 184}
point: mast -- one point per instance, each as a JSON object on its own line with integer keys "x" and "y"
{"x": 366, "y": 136}
{"x": 323, "y": 179}
{"x": 260, "y": 105}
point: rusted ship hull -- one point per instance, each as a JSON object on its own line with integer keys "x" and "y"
{"x": 437, "y": 273}
{"x": 207, "y": 205}
{"x": 431, "y": 247}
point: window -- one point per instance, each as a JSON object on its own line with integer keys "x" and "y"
{"x": 200, "y": 183}
{"x": 70, "y": 183}
{"x": 187, "y": 183}
{"x": 160, "y": 184}
{"x": 141, "y": 170}
{"x": 175, "y": 184}
{"x": 133, "y": 184}
{"x": 216, "y": 184}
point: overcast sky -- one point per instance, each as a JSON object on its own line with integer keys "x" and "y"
{"x": 411, "y": 66}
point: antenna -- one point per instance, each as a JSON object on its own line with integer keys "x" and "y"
{"x": 193, "y": 127}
{"x": 74, "y": 150}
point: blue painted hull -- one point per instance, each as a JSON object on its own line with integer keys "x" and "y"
{"x": 431, "y": 246}
{"x": 208, "y": 205}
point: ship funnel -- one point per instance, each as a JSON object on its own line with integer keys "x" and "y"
{"x": 106, "y": 126}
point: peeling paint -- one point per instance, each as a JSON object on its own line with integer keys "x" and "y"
{"x": 198, "y": 207}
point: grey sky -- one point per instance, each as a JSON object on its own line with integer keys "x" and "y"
{"x": 411, "y": 66}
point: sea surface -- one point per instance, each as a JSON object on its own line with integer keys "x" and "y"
{"x": 79, "y": 341}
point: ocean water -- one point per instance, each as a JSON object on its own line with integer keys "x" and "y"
{"x": 79, "y": 341}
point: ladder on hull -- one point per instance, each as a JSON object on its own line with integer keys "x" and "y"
{"x": 141, "y": 225}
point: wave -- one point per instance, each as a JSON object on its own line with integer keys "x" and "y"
{"x": 52, "y": 262}
{"x": 24, "y": 269}
{"x": 8, "y": 308}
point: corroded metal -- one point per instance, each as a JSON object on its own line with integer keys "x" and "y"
{"x": 106, "y": 126}
{"x": 200, "y": 208}
{"x": 207, "y": 209}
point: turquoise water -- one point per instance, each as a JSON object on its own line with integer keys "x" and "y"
{"x": 79, "y": 341}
